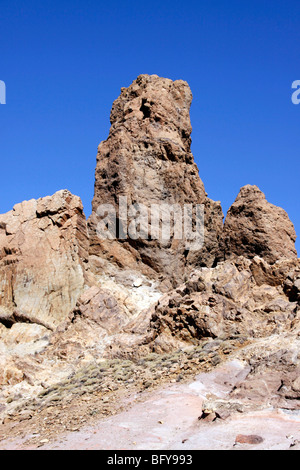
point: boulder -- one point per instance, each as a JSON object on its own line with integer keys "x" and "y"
{"x": 255, "y": 227}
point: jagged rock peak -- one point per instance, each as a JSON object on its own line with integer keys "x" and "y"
{"x": 155, "y": 103}
{"x": 150, "y": 131}
{"x": 147, "y": 158}
{"x": 253, "y": 226}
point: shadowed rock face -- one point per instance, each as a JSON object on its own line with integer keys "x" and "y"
{"x": 147, "y": 158}
{"x": 254, "y": 227}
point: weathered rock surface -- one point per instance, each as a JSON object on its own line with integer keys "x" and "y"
{"x": 254, "y": 227}
{"x": 220, "y": 303}
{"x": 147, "y": 158}
{"x": 87, "y": 324}
{"x": 43, "y": 252}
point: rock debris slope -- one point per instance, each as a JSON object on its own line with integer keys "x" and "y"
{"x": 100, "y": 319}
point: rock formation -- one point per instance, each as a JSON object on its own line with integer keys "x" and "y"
{"x": 254, "y": 227}
{"x": 94, "y": 318}
{"x": 147, "y": 159}
{"x": 43, "y": 253}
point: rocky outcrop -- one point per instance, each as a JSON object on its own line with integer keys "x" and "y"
{"x": 221, "y": 303}
{"x": 254, "y": 227}
{"x": 85, "y": 317}
{"x": 43, "y": 254}
{"x": 228, "y": 301}
{"x": 147, "y": 159}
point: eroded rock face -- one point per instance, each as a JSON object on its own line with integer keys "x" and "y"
{"x": 254, "y": 227}
{"x": 43, "y": 253}
{"x": 147, "y": 158}
{"x": 227, "y": 301}
{"x": 90, "y": 315}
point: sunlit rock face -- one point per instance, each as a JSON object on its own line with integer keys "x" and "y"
{"x": 85, "y": 319}
{"x": 147, "y": 158}
{"x": 43, "y": 252}
{"x": 255, "y": 227}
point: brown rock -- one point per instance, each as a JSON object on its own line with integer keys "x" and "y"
{"x": 248, "y": 439}
{"x": 98, "y": 317}
{"x": 254, "y": 227}
{"x": 274, "y": 376}
{"x": 296, "y": 384}
{"x": 43, "y": 253}
{"x": 208, "y": 416}
{"x": 292, "y": 284}
{"x": 100, "y": 307}
{"x": 276, "y": 274}
{"x": 69, "y": 303}
{"x": 147, "y": 158}
{"x": 224, "y": 301}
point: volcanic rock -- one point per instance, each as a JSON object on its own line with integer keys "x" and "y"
{"x": 251, "y": 439}
{"x": 43, "y": 253}
{"x": 147, "y": 159}
{"x": 221, "y": 302}
{"x": 87, "y": 318}
{"x": 254, "y": 227}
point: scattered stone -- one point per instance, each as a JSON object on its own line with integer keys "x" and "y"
{"x": 248, "y": 439}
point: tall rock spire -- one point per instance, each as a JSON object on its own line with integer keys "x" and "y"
{"x": 147, "y": 158}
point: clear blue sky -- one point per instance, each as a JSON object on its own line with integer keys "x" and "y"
{"x": 65, "y": 61}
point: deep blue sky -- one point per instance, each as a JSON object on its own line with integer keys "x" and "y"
{"x": 65, "y": 61}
